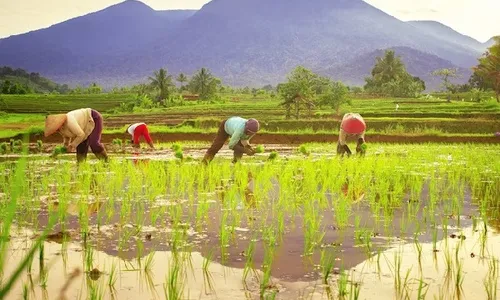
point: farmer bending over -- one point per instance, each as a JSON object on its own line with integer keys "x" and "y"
{"x": 136, "y": 131}
{"x": 240, "y": 131}
{"x": 80, "y": 129}
{"x": 352, "y": 125}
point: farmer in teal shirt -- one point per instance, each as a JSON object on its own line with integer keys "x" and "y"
{"x": 239, "y": 131}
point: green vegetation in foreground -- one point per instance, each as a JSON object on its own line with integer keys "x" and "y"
{"x": 259, "y": 204}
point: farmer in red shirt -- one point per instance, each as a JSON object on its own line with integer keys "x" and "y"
{"x": 352, "y": 125}
{"x": 136, "y": 131}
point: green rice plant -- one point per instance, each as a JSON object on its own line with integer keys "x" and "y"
{"x": 176, "y": 147}
{"x": 39, "y": 145}
{"x": 249, "y": 265}
{"x": 303, "y": 149}
{"x": 179, "y": 154}
{"x": 17, "y": 146}
{"x": 8, "y": 213}
{"x": 259, "y": 149}
{"x": 112, "y": 277}
{"x": 58, "y": 150}
{"x": 4, "y": 147}
{"x": 173, "y": 287}
{"x": 273, "y": 155}
{"x": 342, "y": 283}
{"x": 490, "y": 282}
{"x": 327, "y": 262}
{"x": 207, "y": 276}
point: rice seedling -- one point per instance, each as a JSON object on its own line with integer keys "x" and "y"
{"x": 304, "y": 150}
{"x": 273, "y": 155}
{"x": 259, "y": 149}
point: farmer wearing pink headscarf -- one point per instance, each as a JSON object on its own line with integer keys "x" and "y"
{"x": 352, "y": 126}
{"x": 239, "y": 131}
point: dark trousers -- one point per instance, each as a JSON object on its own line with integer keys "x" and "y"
{"x": 219, "y": 141}
{"x": 93, "y": 141}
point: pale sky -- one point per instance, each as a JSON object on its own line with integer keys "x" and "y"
{"x": 476, "y": 18}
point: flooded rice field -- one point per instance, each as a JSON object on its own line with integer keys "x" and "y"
{"x": 404, "y": 222}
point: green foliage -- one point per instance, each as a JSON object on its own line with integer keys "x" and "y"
{"x": 204, "y": 84}
{"x": 17, "y": 146}
{"x": 488, "y": 69}
{"x": 176, "y": 147}
{"x": 445, "y": 75}
{"x": 179, "y": 154}
{"x": 39, "y": 145}
{"x": 94, "y": 88}
{"x": 259, "y": 149}
{"x": 273, "y": 155}
{"x": 335, "y": 96}
{"x": 23, "y": 82}
{"x": 4, "y": 147}
{"x": 182, "y": 79}
{"x": 59, "y": 150}
{"x": 303, "y": 149}
{"x": 162, "y": 83}
{"x": 299, "y": 91}
{"x": 389, "y": 77}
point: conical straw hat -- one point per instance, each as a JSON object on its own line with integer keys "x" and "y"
{"x": 53, "y": 123}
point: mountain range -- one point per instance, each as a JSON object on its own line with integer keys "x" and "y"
{"x": 244, "y": 42}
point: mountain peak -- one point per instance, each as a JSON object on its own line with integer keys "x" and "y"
{"x": 128, "y": 7}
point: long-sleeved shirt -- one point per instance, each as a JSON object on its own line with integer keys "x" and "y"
{"x": 235, "y": 127}
{"x": 137, "y": 130}
{"x": 344, "y": 135}
{"x": 78, "y": 126}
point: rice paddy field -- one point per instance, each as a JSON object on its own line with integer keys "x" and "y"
{"x": 403, "y": 222}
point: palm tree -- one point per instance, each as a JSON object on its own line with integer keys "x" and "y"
{"x": 162, "y": 82}
{"x": 204, "y": 84}
{"x": 388, "y": 68}
{"x": 182, "y": 79}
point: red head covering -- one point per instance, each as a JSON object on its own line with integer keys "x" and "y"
{"x": 353, "y": 124}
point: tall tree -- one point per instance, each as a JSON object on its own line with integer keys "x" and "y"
{"x": 162, "y": 82}
{"x": 204, "y": 84}
{"x": 445, "y": 75}
{"x": 335, "y": 95}
{"x": 488, "y": 68}
{"x": 299, "y": 91}
{"x": 389, "y": 77}
{"x": 182, "y": 79}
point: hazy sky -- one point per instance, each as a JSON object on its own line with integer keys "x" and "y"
{"x": 476, "y": 18}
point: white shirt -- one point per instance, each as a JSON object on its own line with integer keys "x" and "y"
{"x": 132, "y": 128}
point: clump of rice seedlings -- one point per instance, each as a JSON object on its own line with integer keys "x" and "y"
{"x": 58, "y": 150}
{"x": 39, "y": 145}
{"x": 4, "y": 147}
{"x": 304, "y": 150}
{"x": 179, "y": 154}
{"x": 259, "y": 149}
{"x": 273, "y": 155}
{"x": 17, "y": 146}
{"x": 176, "y": 147}
{"x": 173, "y": 287}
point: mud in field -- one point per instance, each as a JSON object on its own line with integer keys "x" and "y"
{"x": 290, "y": 139}
{"x": 350, "y": 245}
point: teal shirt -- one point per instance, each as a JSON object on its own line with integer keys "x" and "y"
{"x": 235, "y": 127}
